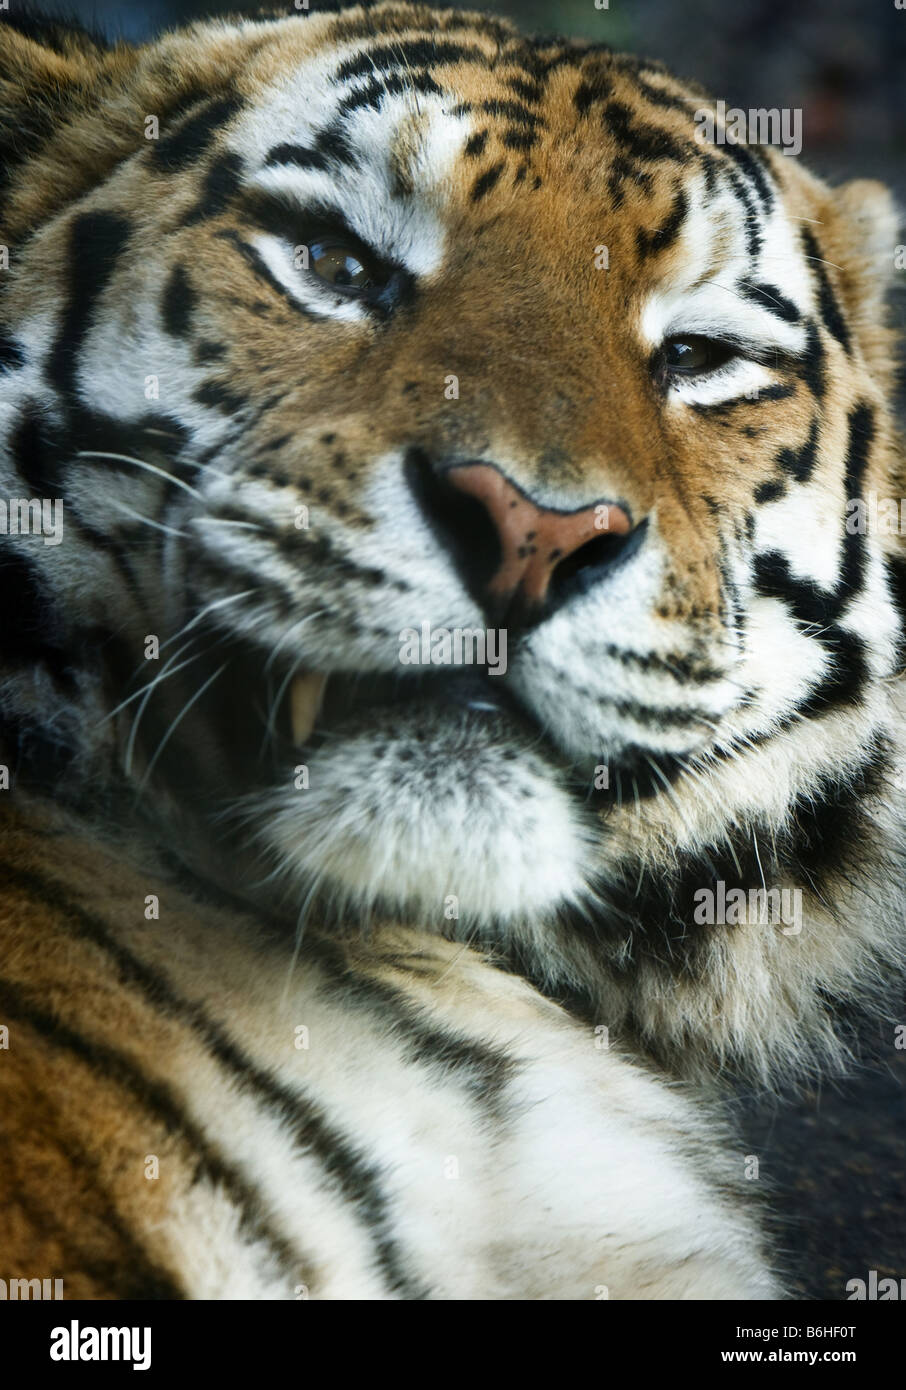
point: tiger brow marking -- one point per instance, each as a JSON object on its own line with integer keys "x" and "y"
{"x": 422, "y": 53}
{"x": 353, "y": 1174}
{"x": 192, "y": 136}
{"x": 664, "y": 236}
{"x": 828, "y": 306}
{"x": 298, "y": 155}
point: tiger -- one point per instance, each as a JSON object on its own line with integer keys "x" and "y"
{"x": 334, "y": 966}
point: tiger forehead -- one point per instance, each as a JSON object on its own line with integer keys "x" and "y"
{"x": 514, "y": 113}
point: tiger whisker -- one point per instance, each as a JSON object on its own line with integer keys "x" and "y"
{"x": 140, "y": 463}
{"x": 208, "y": 608}
{"x": 136, "y": 693}
{"x": 149, "y": 691}
{"x": 148, "y": 521}
{"x": 177, "y": 721}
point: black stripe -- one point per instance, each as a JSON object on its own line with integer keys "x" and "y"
{"x": 316, "y": 550}
{"x": 254, "y": 260}
{"x": 656, "y": 715}
{"x": 848, "y": 677}
{"x": 658, "y": 96}
{"x": 410, "y": 53}
{"x": 178, "y": 303}
{"x": 334, "y": 144}
{"x": 519, "y": 139}
{"x": 356, "y": 1177}
{"x": 861, "y": 434}
{"x": 777, "y": 392}
{"x": 621, "y": 171}
{"x": 770, "y": 298}
{"x": 646, "y": 142}
{"x": 207, "y": 352}
{"x": 12, "y": 354}
{"x": 637, "y": 772}
{"x": 193, "y": 135}
{"x": 828, "y": 307}
{"x": 649, "y": 915}
{"x": 153, "y": 1096}
{"x": 813, "y": 361}
{"x": 373, "y": 92}
{"x": 486, "y": 181}
{"x": 664, "y": 235}
{"x": 813, "y": 606}
{"x": 219, "y": 397}
{"x": 681, "y": 668}
{"x": 769, "y": 492}
{"x": 481, "y": 1069}
{"x": 799, "y": 464}
{"x": 221, "y": 184}
{"x": 514, "y": 111}
{"x": 807, "y": 601}
{"x": 32, "y": 453}
{"x": 752, "y": 216}
{"x": 748, "y": 160}
{"x": 895, "y": 566}
{"x": 590, "y": 90}
{"x": 531, "y": 91}
{"x": 476, "y": 143}
{"x": 131, "y": 1274}
{"x": 96, "y": 242}
{"x": 296, "y": 155}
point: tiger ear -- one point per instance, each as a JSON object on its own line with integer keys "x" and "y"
{"x": 864, "y": 242}
{"x": 46, "y": 72}
{"x": 50, "y": 77}
{"x": 858, "y": 231}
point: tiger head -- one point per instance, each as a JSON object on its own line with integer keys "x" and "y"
{"x": 466, "y": 473}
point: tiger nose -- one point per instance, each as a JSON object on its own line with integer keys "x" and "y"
{"x": 540, "y": 548}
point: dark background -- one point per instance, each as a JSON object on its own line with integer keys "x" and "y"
{"x": 842, "y": 61}
{"x": 835, "y": 1157}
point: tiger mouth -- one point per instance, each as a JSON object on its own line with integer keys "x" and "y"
{"x": 321, "y": 705}
{"x": 320, "y": 702}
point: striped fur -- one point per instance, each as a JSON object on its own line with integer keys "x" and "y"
{"x": 438, "y": 1131}
{"x": 251, "y": 466}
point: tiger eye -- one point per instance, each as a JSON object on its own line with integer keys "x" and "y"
{"x": 338, "y": 266}
{"x": 694, "y": 355}
{"x": 691, "y": 354}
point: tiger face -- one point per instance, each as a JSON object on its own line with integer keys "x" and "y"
{"x": 457, "y": 457}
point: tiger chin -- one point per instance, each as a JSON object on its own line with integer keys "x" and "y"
{"x": 333, "y": 328}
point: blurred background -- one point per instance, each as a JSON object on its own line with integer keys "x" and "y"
{"x": 833, "y": 1158}
{"x": 843, "y": 62}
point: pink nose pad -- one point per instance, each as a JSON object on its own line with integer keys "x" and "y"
{"x": 533, "y": 540}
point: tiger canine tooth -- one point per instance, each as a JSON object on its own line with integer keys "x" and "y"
{"x": 305, "y": 696}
